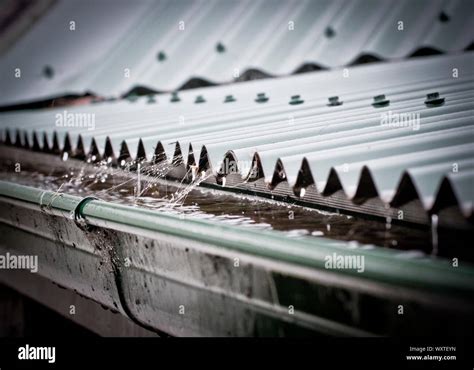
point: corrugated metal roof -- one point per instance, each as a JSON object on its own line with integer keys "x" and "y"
{"x": 300, "y": 142}
{"x": 218, "y": 41}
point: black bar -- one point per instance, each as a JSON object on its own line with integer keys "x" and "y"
{"x": 318, "y": 353}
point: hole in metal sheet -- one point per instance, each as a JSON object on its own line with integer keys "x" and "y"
{"x": 161, "y": 56}
{"x": 48, "y": 71}
{"x": 443, "y": 17}
{"x": 329, "y": 32}
{"x": 220, "y": 48}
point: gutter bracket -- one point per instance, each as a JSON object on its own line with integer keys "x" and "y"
{"x": 79, "y": 218}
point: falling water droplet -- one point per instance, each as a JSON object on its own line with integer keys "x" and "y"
{"x": 302, "y": 192}
{"x": 139, "y": 182}
{"x": 434, "y": 233}
{"x": 109, "y": 159}
{"x": 122, "y": 162}
{"x": 388, "y": 223}
{"x": 94, "y": 158}
{"x": 328, "y": 227}
{"x": 65, "y": 156}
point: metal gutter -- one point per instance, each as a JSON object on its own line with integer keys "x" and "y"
{"x": 147, "y": 265}
{"x": 382, "y": 265}
{"x": 174, "y": 262}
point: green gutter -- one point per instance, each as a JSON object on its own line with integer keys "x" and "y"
{"x": 381, "y": 265}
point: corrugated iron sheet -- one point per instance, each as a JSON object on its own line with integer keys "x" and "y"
{"x": 165, "y": 44}
{"x": 286, "y": 137}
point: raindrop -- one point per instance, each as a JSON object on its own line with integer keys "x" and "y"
{"x": 434, "y": 233}
{"x": 388, "y": 224}
{"x": 65, "y": 156}
{"x": 302, "y": 192}
{"x": 139, "y": 182}
{"x": 193, "y": 172}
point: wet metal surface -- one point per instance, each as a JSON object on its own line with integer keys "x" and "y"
{"x": 189, "y": 200}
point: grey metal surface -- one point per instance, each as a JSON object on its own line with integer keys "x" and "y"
{"x": 346, "y": 151}
{"x": 88, "y": 313}
{"x": 180, "y": 275}
{"x": 218, "y": 41}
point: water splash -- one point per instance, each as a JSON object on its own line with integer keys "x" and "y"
{"x": 154, "y": 191}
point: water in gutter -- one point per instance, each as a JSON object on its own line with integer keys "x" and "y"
{"x": 189, "y": 200}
